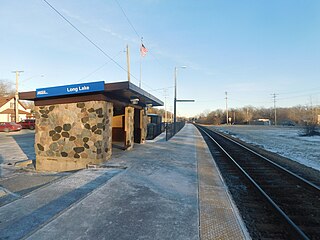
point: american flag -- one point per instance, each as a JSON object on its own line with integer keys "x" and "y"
{"x": 143, "y": 50}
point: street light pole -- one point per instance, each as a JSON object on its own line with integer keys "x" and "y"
{"x": 165, "y": 107}
{"x": 175, "y": 99}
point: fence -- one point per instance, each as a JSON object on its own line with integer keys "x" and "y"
{"x": 170, "y": 129}
{"x": 153, "y": 130}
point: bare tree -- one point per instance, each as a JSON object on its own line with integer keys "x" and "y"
{"x": 6, "y": 88}
{"x": 28, "y": 105}
{"x": 297, "y": 115}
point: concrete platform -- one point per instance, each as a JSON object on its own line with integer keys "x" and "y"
{"x": 159, "y": 190}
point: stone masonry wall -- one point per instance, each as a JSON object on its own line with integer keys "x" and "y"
{"x": 129, "y": 127}
{"x": 143, "y": 125}
{"x": 70, "y": 136}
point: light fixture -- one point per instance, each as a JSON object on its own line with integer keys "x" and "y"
{"x": 134, "y": 100}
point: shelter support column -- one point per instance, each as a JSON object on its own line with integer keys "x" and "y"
{"x": 129, "y": 127}
{"x": 143, "y": 125}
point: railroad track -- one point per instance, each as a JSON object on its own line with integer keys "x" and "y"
{"x": 274, "y": 202}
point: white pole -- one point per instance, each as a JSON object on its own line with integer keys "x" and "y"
{"x": 140, "y": 65}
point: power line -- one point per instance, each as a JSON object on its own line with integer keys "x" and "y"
{"x": 157, "y": 60}
{"x": 86, "y": 37}
{"x": 138, "y": 35}
{"x": 128, "y": 19}
{"x": 160, "y": 89}
{"x": 300, "y": 91}
{"x": 97, "y": 69}
{"x": 303, "y": 95}
{"x": 246, "y": 101}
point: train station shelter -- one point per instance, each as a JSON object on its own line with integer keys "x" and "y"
{"x": 79, "y": 124}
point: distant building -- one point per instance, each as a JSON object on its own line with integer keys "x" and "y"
{"x": 7, "y": 110}
{"x": 261, "y": 121}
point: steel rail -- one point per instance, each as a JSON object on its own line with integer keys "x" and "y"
{"x": 294, "y": 227}
{"x": 306, "y": 182}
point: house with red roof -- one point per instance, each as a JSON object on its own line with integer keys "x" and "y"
{"x": 7, "y": 110}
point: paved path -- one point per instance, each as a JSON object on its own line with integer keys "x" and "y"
{"x": 150, "y": 192}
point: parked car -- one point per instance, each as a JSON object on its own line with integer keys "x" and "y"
{"x": 9, "y": 126}
{"x": 28, "y": 123}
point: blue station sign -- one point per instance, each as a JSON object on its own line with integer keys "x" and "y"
{"x": 70, "y": 89}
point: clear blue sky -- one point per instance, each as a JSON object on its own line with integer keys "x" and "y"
{"x": 249, "y": 48}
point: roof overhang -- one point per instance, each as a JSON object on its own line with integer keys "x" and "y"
{"x": 119, "y": 92}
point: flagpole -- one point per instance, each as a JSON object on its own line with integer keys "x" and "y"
{"x": 140, "y": 64}
{"x": 143, "y": 52}
{"x": 140, "y": 70}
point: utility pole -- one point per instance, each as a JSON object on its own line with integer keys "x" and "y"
{"x": 313, "y": 112}
{"x": 274, "y": 96}
{"x": 227, "y": 107}
{"x": 248, "y": 115}
{"x": 16, "y": 96}
{"x": 128, "y": 62}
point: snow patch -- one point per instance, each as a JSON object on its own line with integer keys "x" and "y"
{"x": 285, "y": 141}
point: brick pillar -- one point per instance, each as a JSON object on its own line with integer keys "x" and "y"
{"x": 70, "y": 136}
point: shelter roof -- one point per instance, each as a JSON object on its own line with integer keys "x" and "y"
{"x": 121, "y": 92}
